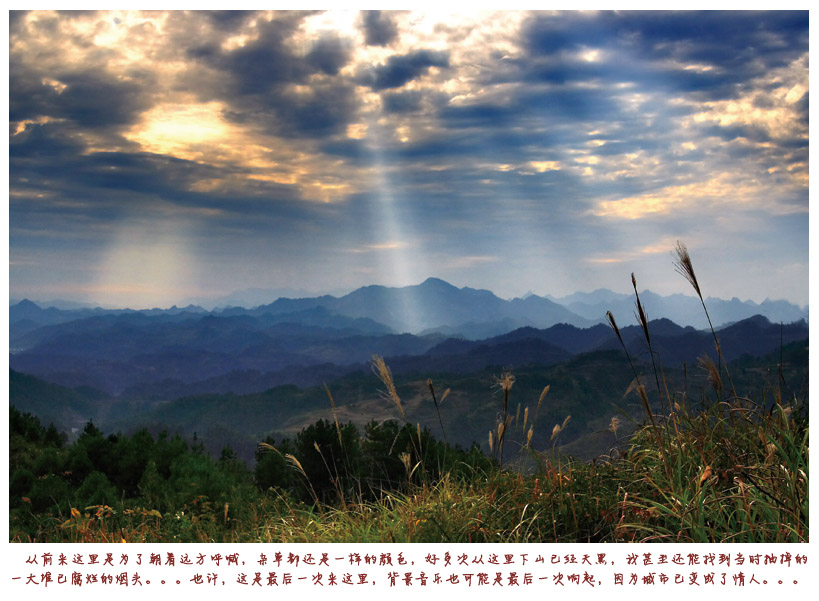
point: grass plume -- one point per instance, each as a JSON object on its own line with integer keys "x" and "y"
{"x": 384, "y": 374}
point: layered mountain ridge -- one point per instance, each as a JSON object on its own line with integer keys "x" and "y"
{"x": 159, "y": 354}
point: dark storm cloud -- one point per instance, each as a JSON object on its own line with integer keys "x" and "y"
{"x": 479, "y": 115}
{"x": 803, "y": 107}
{"x": 48, "y": 141}
{"x": 379, "y": 29}
{"x": 687, "y": 35}
{"x": 257, "y": 81}
{"x": 552, "y": 107}
{"x": 108, "y": 184}
{"x": 758, "y": 41}
{"x": 740, "y": 45}
{"x": 15, "y": 18}
{"x": 577, "y": 105}
{"x": 564, "y": 32}
{"x": 90, "y": 99}
{"x": 329, "y": 54}
{"x": 266, "y": 63}
{"x": 734, "y": 132}
{"x": 402, "y": 102}
{"x": 228, "y": 20}
{"x": 325, "y": 111}
{"x": 401, "y": 69}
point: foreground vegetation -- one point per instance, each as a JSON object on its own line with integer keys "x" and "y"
{"x": 732, "y": 473}
{"x": 717, "y": 466}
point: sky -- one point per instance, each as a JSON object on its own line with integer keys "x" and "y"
{"x": 160, "y": 157}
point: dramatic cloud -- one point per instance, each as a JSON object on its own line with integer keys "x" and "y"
{"x": 156, "y": 156}
{"x": 379, "y": 29}
{"x": 402, "y": 69}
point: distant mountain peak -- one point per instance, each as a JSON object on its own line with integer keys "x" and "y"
{"x": 437, "y": 282}
{"x": 756, "y": 320}
{"x": 27, "y": 304}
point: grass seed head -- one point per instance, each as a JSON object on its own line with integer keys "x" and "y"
{"x": 384, "y": 374}
{"x": 613, "y": 325}
{"x": 685, "y": 267}
{"x": 711, "y": 370}
{"x": 506, "y": 381}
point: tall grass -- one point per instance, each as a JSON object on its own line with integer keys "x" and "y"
{"x": 736, "y": 470}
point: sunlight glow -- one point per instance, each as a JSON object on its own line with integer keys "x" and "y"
{"x": 543, "y": 166}
{"x": 178, "y": 129}
{"x": 146, "y": 266}
{"x": 720, "y": 192}
{"x": 357, "y": 131}
{"x": 771, "y": 110}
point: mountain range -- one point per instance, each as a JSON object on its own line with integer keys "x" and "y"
{"x": 436, "y": 306}
{"x": 163, "y": 354}
{"x": 682, "y": 309}
{"x": 232, "y": 373}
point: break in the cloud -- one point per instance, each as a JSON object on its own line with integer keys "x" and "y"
{"x": 156, "y": 156}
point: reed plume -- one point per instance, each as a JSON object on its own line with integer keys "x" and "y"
{"x": 685, "y": 267}
{"x": 384, "y": 374}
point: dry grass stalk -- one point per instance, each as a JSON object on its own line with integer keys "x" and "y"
{"x": 542, "y": 396}
{"x": 295, "y": 463}
{"x": 406, "y": 460}
{"x": 437, "y": 406}
{"x": 685, "y": 267}
{"x": 641, "y": 392}
{"x": 335, "y": 414}
{"x": 614, "y": 327}
{"x": 565, "y": 421}
{"x": 267, "y": 448}
{"x": 642, "y": 318}
{"x": 636, "y": 382}
{"x": 707, "y": 364}
{"x": 560, "y": 427}
{"x": 540, "y": 401}
{"x": 384, "y": 374}
{"x": 644, "y": 397}
{"x": 706, "y": 474}
{"x": 505, "y": 383}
